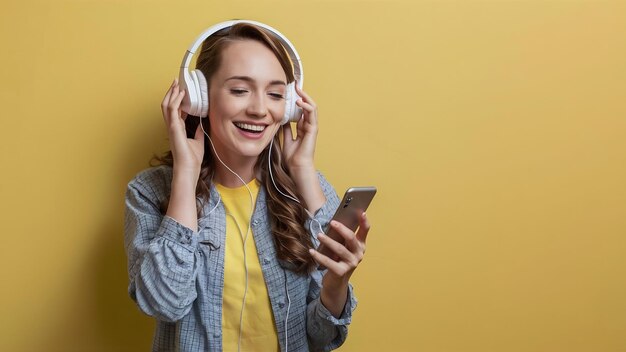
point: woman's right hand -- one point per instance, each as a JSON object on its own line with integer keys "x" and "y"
{"x": 187, "y": 152}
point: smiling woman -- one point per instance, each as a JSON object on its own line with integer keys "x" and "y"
{"x": 219, "y": 235}
{"x": 247, "y": 92}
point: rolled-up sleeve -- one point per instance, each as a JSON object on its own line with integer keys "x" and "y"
{"x": 162, "y": 263}
{"x": 325, "y": 331}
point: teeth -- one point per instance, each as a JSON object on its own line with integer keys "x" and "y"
{"x": 249, "y": 127}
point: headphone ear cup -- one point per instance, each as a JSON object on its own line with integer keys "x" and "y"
{"x": 203, "y": 89}
{"x": 292, "y": 111}
{"x": 190, "y": 100}
{"x": 196, "y": 105}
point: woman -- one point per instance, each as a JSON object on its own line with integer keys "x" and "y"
{"x": 219, "y": 244}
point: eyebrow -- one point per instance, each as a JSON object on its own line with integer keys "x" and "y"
{"x": 250, "y": 79}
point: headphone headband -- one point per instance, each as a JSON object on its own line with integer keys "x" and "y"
{"x": 196, "y": 101}
{"x": 291, "y": 50}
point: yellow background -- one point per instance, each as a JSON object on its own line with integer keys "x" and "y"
{"x": 495, "y": 132}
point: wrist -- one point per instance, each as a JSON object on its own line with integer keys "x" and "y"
{"x": 302, "y": 171}
{"x": 334, "y": 285}
{"x": 184, "y": 185}
{"x": 334, "y": 298}
{"x": 184, "y": 174}
{"x": 308, "y": 185}
{"x": 182, "y": 202}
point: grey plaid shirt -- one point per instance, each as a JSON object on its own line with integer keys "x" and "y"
{"x": 177, "y": 275}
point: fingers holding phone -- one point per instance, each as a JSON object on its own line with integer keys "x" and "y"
{"x": 341, "y": 258}
{"x": 350, "y": 213}
{"x": 348, "y": 230}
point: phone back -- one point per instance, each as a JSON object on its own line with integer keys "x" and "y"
{"x": 354, "y": 202}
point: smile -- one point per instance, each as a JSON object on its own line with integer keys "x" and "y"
{"x": 250, "y": 128}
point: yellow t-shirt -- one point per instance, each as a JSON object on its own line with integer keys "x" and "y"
{"x": 258, "y": 329}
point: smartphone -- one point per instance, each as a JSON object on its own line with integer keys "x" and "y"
{"x": 355, "y": 201}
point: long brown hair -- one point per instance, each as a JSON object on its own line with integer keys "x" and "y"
{"x": 291, "y": 239}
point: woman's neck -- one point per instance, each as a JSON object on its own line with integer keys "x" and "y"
{"x": 244, "y": 168}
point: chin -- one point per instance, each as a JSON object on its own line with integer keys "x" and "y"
{"x": 253, "y": 151}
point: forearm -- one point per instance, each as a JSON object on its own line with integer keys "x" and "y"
{"x": 161, "y": 260}
{"x": 327, "y": 330}
{"x": 182, "y": 203}
{"x": 334, "y": 297}
{"x": 309, "y": 187}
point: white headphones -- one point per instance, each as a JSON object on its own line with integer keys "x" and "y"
{"x": 196, "y": 100}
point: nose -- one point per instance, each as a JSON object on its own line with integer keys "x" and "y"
{"x": 257, "y": 106}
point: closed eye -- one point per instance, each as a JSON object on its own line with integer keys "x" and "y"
{"x": 277, "y": 96}
{"x": 238, "y": 91}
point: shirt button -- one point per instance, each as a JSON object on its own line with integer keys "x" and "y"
{"x": 216, "y": 334}
{"x": 266, "y": 260}
{"x": 255, "y": 222}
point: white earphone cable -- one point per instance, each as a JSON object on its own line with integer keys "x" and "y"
{"x": 287, "y": 315}
{"x": 245, "y": 265}
{"x": 243, "y": 238}
{"x": 269, "y": 166}
{"x": 219, "y": 199}
{"x": 313, "y": 220}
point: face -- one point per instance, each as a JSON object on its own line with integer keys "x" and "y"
{"x": 246, "y": 100}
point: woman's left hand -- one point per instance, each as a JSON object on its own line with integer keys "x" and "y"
{"x": 298, "y": 152}
{"x": 349, "y": 255}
